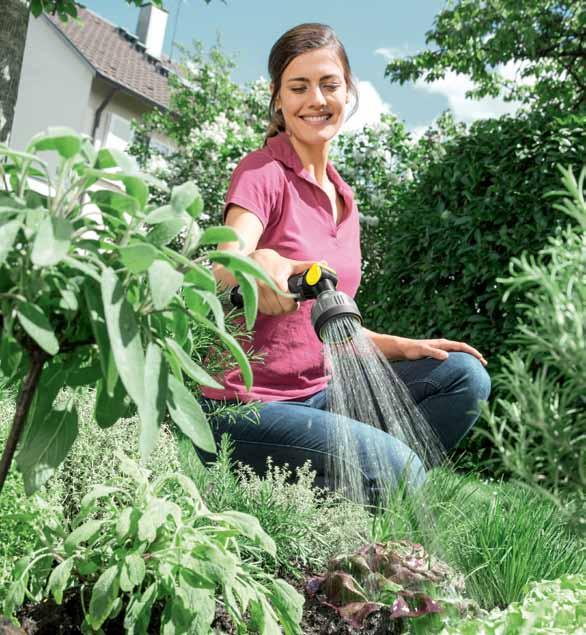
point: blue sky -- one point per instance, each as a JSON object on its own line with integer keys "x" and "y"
{"x": 371, "y": 30}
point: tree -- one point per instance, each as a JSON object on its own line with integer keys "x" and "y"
{"x": 546, "y": 38}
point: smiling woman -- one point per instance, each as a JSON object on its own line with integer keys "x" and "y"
{"x": 291, "y": 208}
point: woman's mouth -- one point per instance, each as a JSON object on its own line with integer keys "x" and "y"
{"x": 316, "y": 120}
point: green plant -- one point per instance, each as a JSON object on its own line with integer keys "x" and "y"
{"x": 134, "y": 546}
{"x": 553, "y": 607}
{"x": 100, "y": 299}
{"x": 309, "y": 525}
{"x": 541, "y": 41}
{"x": 500, "y": 536}
{"x": 538, "y": 422}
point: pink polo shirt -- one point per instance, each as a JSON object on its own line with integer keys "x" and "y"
{"x": 298, "y": 222}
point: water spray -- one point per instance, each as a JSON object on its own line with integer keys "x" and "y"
{"x": 319, "y": 283}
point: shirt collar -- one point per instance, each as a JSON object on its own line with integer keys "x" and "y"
{"x": 280, "y": 148}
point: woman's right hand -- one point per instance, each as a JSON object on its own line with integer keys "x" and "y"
{"x": 280, "y": 269}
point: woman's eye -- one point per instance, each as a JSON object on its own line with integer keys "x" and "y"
{"x": 332, "y": 86}
{"x": 298, "y": 90}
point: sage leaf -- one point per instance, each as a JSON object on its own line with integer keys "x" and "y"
{"x": 52, "y": 241}
{"x": 59, "y": 578}
{"x": 215, "y": 235}
{"x": 124, "y": 335}
{"x": 249, "y": 290}
{"x": 104, "y": 594}
{"x": 153, "y": 406}
{"x": 248, "y": 526}
{"x": 8, "y": 233}
{"x": 164, "y": 282}
{"x": 189, "y": 416}
{"x": 88, "y": 532}
{"x": 46, "y": 446}
{"x": 36, "y": 324}
{"x": 138, "y": 257}
{"x": 60, "y": 138}
{"x": 197, "y": 373}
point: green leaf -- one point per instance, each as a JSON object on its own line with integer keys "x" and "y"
{"x": 127, "y": 523}
{"x": 104, "y": 595}
{"x": 109, "y": 409}
{"x": 248, "y": 526}
{"x": 194, "y": 371}
{"x": 164, "y": 232}
{"x": 138, "y": 257}
{"x": 117, "y": 202}
{"x": 202, "y": 278}
{"x": 189, "y": 416}
{"x": 124, "y": 336}
{"x": 138, "y": 613}
{"x": 233, "y": 346}
{"x": 132, "y": 572}
{"x": 82, "y": 266}
{"x": 36, "y": 324}
{"x": 52, "y": 241}
{"x": 164, "y": 282}
{"x": 164, "y": 214}
{"x": 288, "y": 604}
{"x": 186, "y": 198}
{"x": 8, "y": 233}
{"x": 137, "y": 188}
{"x": 153, "y": 406}
{"x": 249, "y": 291}
{"x": 112, "y": 158}
{"x": 46, "y": 446}
{"x": 59, "y": 578}
{"x": 88, "y": 532}
{"x": 215, "y": 235}
{"x": 201, "y": 302}
{"x": 155, "y": 516}
{"x": 64, "y": 140}
{"x": 10, "y": 357}
{"x": 237, "y": 262}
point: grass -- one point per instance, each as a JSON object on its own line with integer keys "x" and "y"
{"x": 501, "y": 536}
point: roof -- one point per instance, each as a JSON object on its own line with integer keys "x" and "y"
{"x": 117, "y": 55}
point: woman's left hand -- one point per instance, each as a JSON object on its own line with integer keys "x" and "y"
{"x": 438, "y": 349}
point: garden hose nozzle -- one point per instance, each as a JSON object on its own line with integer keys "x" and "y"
{"x": 317, "y": 283}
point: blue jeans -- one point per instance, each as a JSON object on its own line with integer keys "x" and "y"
{"x": 293, "y": 432}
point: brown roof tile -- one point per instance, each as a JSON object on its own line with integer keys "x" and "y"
{"x": 118, "y": 55}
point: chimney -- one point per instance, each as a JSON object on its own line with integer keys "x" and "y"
{"x": 150, "y": 29}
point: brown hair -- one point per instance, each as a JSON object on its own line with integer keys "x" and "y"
{"x": 301, "y": 39}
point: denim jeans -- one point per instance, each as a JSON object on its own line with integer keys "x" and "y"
{"x": 293, "y": 432}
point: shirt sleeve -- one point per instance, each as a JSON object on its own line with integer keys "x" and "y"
{"x": 256, "y": 185}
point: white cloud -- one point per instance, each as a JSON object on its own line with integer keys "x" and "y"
{"x": 391, "y": 53}
{"x": 370, "y": 107}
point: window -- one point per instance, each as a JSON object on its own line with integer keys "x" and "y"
{"x": 120, "y": 132}
{"x": 160, "y": 147}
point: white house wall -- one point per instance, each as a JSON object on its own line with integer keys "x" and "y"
{"x": 54, "y": 86}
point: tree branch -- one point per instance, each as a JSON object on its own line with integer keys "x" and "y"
{"x": 25, "y": 397}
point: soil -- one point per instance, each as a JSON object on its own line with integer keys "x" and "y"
{"x": 48, "y": 618}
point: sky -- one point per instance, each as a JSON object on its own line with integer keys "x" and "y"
{"x": 372, "y": 31}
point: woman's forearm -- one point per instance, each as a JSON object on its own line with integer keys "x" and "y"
{"x": 390, "y": 345}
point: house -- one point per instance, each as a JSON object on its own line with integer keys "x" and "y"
{"x": 92, "y": 76}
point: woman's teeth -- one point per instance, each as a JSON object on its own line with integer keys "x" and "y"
{"x": 320, "y": 118}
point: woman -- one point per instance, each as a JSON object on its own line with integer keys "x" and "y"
{"x": 291, "y": 208}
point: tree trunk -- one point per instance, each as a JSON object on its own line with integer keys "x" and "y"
{"x": 13, "y": 29}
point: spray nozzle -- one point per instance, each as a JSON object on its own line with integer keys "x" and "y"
{"x": 317, "y": 283}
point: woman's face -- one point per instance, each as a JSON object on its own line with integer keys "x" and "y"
{"x": 313, "y": 96}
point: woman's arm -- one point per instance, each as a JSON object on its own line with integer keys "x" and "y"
{"x": 394, "y": 347}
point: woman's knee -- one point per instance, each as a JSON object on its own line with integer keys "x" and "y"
{"x": 466, "y": 370}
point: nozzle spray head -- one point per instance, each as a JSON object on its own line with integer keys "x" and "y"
{"x": 319, "y": 283}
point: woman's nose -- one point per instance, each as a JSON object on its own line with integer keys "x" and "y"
{"x": 317, "y": 98}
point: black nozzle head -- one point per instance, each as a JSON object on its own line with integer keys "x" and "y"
{"x": 332, "y": 305}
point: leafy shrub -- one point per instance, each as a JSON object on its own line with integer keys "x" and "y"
{"x": 538, "y": 422}
{"x": 309, "y": 525}
{"x": 555, "y": 607}
{"x": 475, "y": 201}
{"x": 101, "y": 300}
{"x": 134, "y": 547}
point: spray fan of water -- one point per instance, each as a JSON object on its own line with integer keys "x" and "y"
{"x": 363, "y": 387}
